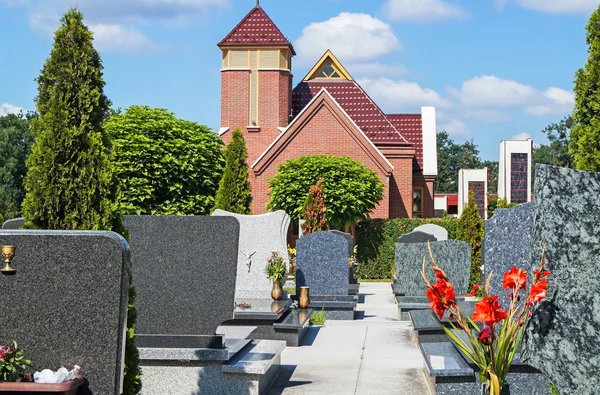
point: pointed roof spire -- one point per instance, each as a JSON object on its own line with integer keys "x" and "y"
{"x": 256, "y": 29}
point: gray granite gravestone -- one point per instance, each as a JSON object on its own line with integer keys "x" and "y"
{"x": 439, "y": 232}
{"x": 184, "y": 270}
{"x": 14, "y": 223}
{"x": 416, "y": 237}
{"x": 349, "y": 238}
{"x": 507, "y": 242}
{"x": 562, "y": 337}
{"x": 452, "y": 256}
{"x": 67, "y": 302}
{"x": 322, "y": 264}
{"x": 259, "y": 236}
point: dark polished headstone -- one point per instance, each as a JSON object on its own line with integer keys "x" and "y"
{"x": 14, "y": 223}
{"x": 562, "y": 337}
{"x": 452, "y": 256}
{"x": 322, "y": 264}
{"x": 416, "y": 236}
{"x": 184, "y": 270}
{"x": 349, "y": 238}
{"x": 67, "y": 302}
{"x": 507, "y": 243}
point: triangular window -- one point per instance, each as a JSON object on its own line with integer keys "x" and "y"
{"x": 328, "y": 68}
{"x": 328, "y": 71}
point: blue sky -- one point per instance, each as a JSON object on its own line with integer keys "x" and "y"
{"x": 495, "y": 69}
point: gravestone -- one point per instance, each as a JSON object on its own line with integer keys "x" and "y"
{"x": 452, "y": 256}
{"x": 507, "y": 242}
{"x": 67, "y": 302}
{"x": 562, "y": 337}
{"x": 349, "y": 238}
{"x": 437, "y": 231}
{"x": 184, "y": 270}
{"x": 322, "y": 264}
{"x": 416, "y": 237}
{"x": 259, "y": 236}
{"x": 14, "y": 223}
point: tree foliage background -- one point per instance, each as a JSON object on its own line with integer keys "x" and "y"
{"x": 167, "y": 166}
{"x": 235, "y": 193}
{"x": 470, "y": 228}
{"x": 351, "y": 190}
{"x": 16, "y": 140}
{"x": 314, "y": 210}
{"x": 451, "y": 158}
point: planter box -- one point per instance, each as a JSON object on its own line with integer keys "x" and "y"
{"x": 69, "y": 388}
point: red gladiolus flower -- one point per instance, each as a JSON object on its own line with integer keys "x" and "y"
{"x": 488, "y": 310}
{"x": 540, "y": 275}
{"x": 475, "y": 289}
{"x": 515, "y": 279}
{"x": 441, "y": 297}
{"x": 538, "y": 291}
{"x": 1, "y": 353}
{"x": 439, "y": 273}
{"x": 487, "y": 336}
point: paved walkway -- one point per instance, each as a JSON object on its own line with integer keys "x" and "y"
{"x": 372, "y": 355}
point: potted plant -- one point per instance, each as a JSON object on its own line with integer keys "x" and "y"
{"x": 492, "y": 345}
{"x": 12, "y": 362}
{"x": 276, "y": 272}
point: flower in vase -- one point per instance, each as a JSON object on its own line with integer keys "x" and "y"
{"x": 486, "y": 336}
{"x": 489, "y": 311}
{"x": 515, "y": 279}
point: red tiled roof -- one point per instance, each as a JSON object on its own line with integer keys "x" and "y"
{"x": 256, "y": 28}
{"x": 411, "y": 127}
{"x": 357, "y": 104}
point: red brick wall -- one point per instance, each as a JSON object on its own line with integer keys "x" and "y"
{"x": 235, "y": 100}
{"x": 401, "y": 193}
{"x": 323, "y": 134}
{"x": 427, "y": 185}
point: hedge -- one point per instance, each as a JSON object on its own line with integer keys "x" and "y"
{"x": 376, "y": 241}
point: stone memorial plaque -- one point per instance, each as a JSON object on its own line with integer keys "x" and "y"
{"x": 67, "y": 303}
{"x": 184, "y": 273}
{"x": 452, "y": 256}
{"x": 14, "y": 223}
{"x": 416, "y": 236}
{"x": 322, "y": 264}
{"x": 562, "y": 337}
{"x": 507, "y": 242}
{"x": 437, "y": 231}
{"x": 259, "y": 236}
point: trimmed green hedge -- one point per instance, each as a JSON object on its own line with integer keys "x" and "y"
{"x": 376, "y": 241}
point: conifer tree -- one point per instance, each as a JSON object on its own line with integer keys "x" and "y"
{"x": 314, "y": 210}
{"x": 234, "y": 194}
{"x": 470, "y": 229}
{"x": 584, "y": 144}
{"x": 70, "y": 182}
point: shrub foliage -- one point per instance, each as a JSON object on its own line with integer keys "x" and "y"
{"x": 167, "y": 166}
{"x": 351, "y": 190}
{"x": 314, "y": 210}
{"x": 470, "y": 228}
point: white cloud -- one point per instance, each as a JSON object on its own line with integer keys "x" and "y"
{"x": 484, "y": 115}
{"x": 6, "y": 108}
{"x": 376, "y": 69}
{"x": 521, "y": 136}
{"x": 393, "y": 96}
{"x": 491, "y": 91}
{"x": 557, "y": 102}
{"x": 422, "y": 10}
{"x": 118, "y": 38}
{"x": 556, "y": 6}
{"x": 351, "y": 37}
{"x": 455, "y": 128}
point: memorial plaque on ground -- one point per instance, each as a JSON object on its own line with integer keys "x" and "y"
{"x": 349, "y": 238}
{"x": 322, "y": 264}
{"x": 184, "y": 269}
{"x": 259, "y": 236}
{"x": 562, "y": 338}
{"x": 416, "y": 236}
{"x": 439, "y": 232}
{"x": 67, "y": 303}
{"x": 452, "y": 256}
{"x": 507, "y": 243}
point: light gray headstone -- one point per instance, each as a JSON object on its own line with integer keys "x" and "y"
{"x": 562, "y": 339}
{"x": 322, "y": 264}
{"x": 349, "y": 238}
{"x": 416, "y": 237}
{"x": 439, "y": 232}
{"x": 67, "y": 302}
{"x": 184, "y": 272}
{"x": 452, "y": 256}
{"x": 259, "y": 236}
{"x": 14, "y": 223}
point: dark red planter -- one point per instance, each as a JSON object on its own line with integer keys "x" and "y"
{"x": 69, "y": 388}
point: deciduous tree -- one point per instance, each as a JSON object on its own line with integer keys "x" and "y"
{"x": 314, "y": 210}
{"x": 470, "y": 229}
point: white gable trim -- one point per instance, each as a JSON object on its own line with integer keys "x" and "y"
{"x": 223, "y": 130}
{"x": 323, "y": 91}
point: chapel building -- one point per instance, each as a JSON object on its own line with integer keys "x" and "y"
{"x": 327, "y": 112}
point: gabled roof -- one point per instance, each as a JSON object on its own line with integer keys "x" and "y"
{"x": 322, "y": 99}
{"x": 256, "y": 29}
{"x": 328, "y": 59}
{"x": 411, "y": 127}
{"x": 356, "y": 103}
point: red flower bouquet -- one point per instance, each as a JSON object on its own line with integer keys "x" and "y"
{"x": 493, "y": 344}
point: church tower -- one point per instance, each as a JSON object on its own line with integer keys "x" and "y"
{"x": 256, "y": 81}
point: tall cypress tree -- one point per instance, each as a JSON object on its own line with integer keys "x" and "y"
{"x": 584, "y": 144}
{"x": 470, "y": 229}
{"x": 70, "y": 182}
{"x": 235, "y": 193}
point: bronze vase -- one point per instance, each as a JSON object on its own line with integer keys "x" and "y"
{"x": 277, "y": 291}
{"x": 304, "y": 301}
